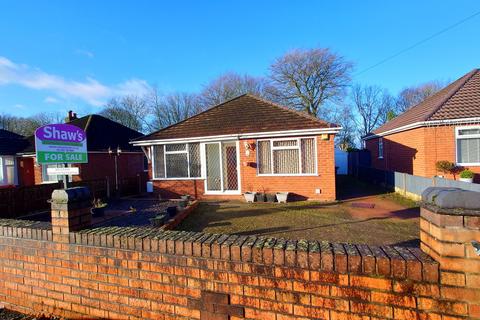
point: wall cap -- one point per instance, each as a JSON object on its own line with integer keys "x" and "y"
{"x": 454, "y": 200}
{"x": 76, "y": 194}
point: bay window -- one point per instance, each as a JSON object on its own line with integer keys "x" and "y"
{"x": 173, "y": 161}
{"x": 295, "y": 156}
{"x": 468, "y": 145}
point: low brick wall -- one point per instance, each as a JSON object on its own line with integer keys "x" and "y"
{"x": 147, "y": 273}
{"x": 181, "y": 216}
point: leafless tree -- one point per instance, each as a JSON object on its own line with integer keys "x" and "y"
{"x": 131, "y": 111}
{"x": 307, "y": 79}
{"x": 172, "y": 108}
{"x": 411, "y": 96}
{"x": 372, "y": 105}
{"x": 231, "y": 85}
{"x": 26, "y": 126}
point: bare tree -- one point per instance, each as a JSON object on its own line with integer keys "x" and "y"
{"x": 230, "y": 85}
{"x": 131, "y": 111}
{"x": 411, "y": 96}
{"x": 307, "y": 79}
{"x": 172, "y": 108}
{"x": 372, "y": 105}
{"x": 26, "y": 126}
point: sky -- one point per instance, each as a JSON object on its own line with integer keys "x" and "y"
{"x": 62, "y": 55}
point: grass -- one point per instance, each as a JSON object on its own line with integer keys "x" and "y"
{"x": 302, "y": 220}
{"x": 401, "y": 200}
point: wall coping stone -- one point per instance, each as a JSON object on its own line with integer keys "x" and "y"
{"x": 383, "y": 261}
{"x": 449, "y": 211}
{"x": 76, "y": 194}
{"x": 452, "y": 198}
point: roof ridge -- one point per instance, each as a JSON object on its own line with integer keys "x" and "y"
{"x": 459, "y": 86}
{"x": 300, "y": 113}
{"x": 194, "y": 116}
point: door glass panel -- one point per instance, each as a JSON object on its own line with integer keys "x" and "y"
{"x": 212, "y": 153}
{"x": 230, "y": 173}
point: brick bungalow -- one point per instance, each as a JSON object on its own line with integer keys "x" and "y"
{"x": 107, "y": 143}
{"x": 245, "y": 144}
{"x": 10, "y": 144}
{"x": 446, "y": 126}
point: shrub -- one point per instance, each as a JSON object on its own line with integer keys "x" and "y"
{"x": 467, "y": 174}
{"x": 445, "y": 166}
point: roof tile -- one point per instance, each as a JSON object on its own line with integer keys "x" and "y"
{"x": 460, "y": 99}
{"x": 243, "y": 114}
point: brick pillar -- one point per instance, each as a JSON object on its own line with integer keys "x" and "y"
{"x": 70, "y": 212}
{"x": 449, "y": 232}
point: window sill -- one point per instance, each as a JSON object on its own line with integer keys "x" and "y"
{"x": 288, "y": 175}
{"x": 474, "y": 164}
{"x": 219, "y": 193}
{"x": 173, "y": 179}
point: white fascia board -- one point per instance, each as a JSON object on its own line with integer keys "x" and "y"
{"x": 241, "y": 136}
{"x": 424, "y": 124}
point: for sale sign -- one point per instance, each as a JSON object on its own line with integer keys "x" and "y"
{"x": 61, "y": 143}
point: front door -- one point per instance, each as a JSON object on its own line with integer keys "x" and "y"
{"x": 222, "y": 168}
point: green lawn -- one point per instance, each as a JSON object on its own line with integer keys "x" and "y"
{"x": 337, "y": 222}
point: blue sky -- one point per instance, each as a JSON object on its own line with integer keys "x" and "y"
{"x": 58, "y": 55}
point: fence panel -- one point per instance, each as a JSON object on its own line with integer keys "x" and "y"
{"x": 441, "y": 182}
{"x": 410, "y": 185}
{"x": 18, "y": 201}
{"x": 416, "y": 185}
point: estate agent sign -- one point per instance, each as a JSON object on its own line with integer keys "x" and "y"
{"x": 61, "y": 143}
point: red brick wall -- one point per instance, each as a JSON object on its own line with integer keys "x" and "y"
{"x": 147, "y": 273}
{"x": 183, "y": 275}
{"x": 102, "y": 165}
{"x": 303, "y": 186}
{"x": 417, "y": 151}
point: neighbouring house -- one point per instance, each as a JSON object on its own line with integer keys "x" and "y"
{"x": 446, "y": 126}
{"x": 110, "y": 155}
{"x": 10, "y": 144}
{"x": 244, "y": 144}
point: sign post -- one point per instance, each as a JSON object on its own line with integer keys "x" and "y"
{"x": 61, "y": 143}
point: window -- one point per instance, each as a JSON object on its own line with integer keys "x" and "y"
{"x": 468, "y": 145}
{"x": 7, "y": 171}
{"x": 380, "y": 148}
{"x": 286, "y": 156}
{"x": 46, "y": 178}
{"x": 173, "y": 161}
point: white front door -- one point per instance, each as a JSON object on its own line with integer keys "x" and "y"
{"x": 222, "y": 169}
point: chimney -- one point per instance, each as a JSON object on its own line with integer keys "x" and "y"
{"x": 71, "y": 116}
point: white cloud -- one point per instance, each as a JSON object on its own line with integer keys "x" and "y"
{"x": 90, "y": 90}
{"x": 85, "y": 53}
{"x": 51, "y": 100}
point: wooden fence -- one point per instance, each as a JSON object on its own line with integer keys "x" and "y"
{"x": 19, "y": 201}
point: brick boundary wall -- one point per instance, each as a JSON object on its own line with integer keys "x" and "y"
{"x": 147, "y": 273}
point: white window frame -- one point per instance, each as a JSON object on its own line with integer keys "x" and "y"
{"x": 165, "y": 152}
{"x": 298, "y": 146}
{"x": 459, "y": 137}
{"x": 381, "y": 148}
{"x": 223, "y": 191}
{"x": 4, "y": 171}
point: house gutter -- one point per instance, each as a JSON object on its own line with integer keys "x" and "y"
{"x": 422, "y": 124}
{"x": 240, "y": 136}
